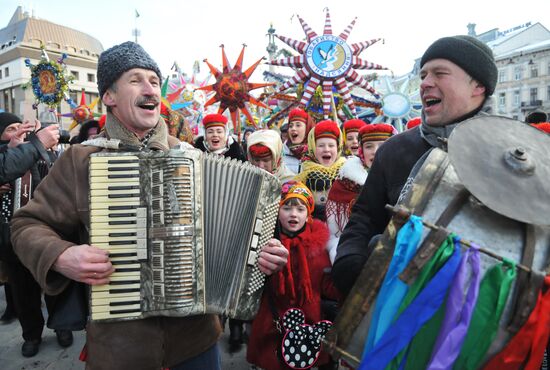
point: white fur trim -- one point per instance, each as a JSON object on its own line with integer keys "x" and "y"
{"x": 353, "y": 170}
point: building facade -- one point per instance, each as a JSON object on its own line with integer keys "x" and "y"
{"x": 523, "y": 59}
{"x": 21, "y": 39}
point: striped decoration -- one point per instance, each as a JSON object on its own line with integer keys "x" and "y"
{"x": 344, "y": 35}
{"x": 358, "y": 47}
{"x": 299, "y": 46}
{"x": 307, "y": 29}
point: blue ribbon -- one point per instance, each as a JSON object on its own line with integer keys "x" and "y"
{"x": 393, "y": 290}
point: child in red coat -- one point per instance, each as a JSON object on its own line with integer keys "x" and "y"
{"x": 300, "y": 284}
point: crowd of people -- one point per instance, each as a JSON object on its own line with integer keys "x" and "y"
{"x": 336, "y": 178}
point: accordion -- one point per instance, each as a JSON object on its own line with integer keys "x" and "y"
{"x": 183, "y": 230}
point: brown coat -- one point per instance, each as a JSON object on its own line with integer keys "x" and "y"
{"x": 57, "y": 219}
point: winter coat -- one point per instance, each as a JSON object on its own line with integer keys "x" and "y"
{"x": 58, "y": 218}
{"x": 388, "y": 175}
{"x": 14, "y": 162}
{"x": 264, "y": 339}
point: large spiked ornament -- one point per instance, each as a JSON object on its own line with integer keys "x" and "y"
{"x": 233, "y": 89}
{"x": 82, "y": 112}
{"x": 327, "y": 60}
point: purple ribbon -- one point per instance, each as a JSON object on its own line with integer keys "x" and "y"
{"x": 458, "y": 312}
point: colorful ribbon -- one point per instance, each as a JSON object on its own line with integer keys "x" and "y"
{"x": 393, "y": 289}
{"x": 458, "y": 312}
{"x": 484, "y": 325}
{"x": 526, "y": 349}
{"x": 420, "y": 310}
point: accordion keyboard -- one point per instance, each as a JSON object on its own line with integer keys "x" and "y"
{"x": 118, "y": 224}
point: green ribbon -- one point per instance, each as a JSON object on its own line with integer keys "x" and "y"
{"x": 493, "y": 294}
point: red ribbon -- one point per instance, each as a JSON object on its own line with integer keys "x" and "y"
{"x": 528, "y": 345}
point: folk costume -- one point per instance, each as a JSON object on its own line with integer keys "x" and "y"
{"x": 316, "y": 176}
{"x": 300, "y": 284}
{"x": 231, "y": 149}
{"x": 352, "y": 125}
{"x": 266, "y": 143}
{"x": 293, "y": 153}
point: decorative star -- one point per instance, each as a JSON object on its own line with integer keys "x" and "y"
{"x": 82, "y": 112}
{"x": 233, "y": 89}
{"x": 327, "y": 60}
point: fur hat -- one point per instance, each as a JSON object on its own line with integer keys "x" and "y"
{"x": 115, "y": 61}
{"x": 7, "y": 119}
{"x": 376, "y": 132}
{"x": 328, "y": 129}
{"x": 296, "y": 189}
{"x": 298, "y": 115}
{"x": 470, "y": 54}
{"x": 353, "y": 125}
{"x": 214, "y": 119}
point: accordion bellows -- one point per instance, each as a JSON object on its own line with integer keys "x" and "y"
{"x": 183, "y": 230}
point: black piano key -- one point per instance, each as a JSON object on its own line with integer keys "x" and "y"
{"x": 136, "y": 269}
{"x": 126, "y": 303}
{"x": 121, "y": 291}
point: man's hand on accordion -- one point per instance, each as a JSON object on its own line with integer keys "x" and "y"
{"x": 273, "y": 257}
{"x": 85, "y": 263}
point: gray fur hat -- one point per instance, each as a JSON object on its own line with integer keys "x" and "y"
{"x": 470, "y": 54}
{"x": 114, "y": 61}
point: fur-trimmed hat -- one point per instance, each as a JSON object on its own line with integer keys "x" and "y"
{"x": 537, "y": 116}
{"x": 327, "y": 129}
{"x": 376, "y": 132}
{"x": 214, "y": 119}
{"x": 353, "y": 125}
{"x": 6, "y": 119}
{"x": 114, "y": 61}
{"x": 296, "y": 189}
{"x": 470, "y": 54}
{"x": 298, "y": 115}
{"x": 414, "y": 122}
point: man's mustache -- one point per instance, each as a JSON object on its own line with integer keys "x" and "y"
{"x": 148, "y": 99}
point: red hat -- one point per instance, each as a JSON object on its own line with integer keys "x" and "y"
{"x": 298, "y": 115}
{"x": 259, "y": 151}
{"x": 214, "y": 119}
{"x": 328, "y": 129}
{"x": 376, "y": 132}
{"x": 543, "y": 126}
{"x": 353, "y": 125}
{"x": 414, "y": 122}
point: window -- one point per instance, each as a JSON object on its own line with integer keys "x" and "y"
{"x": 0, "y": 73}
{"x": 91, "y": 77}
{"x": 502, "y": 75}
{"x": 548, "y": 92}
{"x": 502, "y": 99}
{"x": 517, "y": 73}
{"x": 516, "y": 98}
{"x": 74, "y": 74}
{"x": 533, "y": 94}
{"x": 548, "y": 72}
{"x": 534, "y": 70}
{"x": 7, "y": 72}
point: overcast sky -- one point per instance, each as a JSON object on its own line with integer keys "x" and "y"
{"x": 185, "y": 31}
